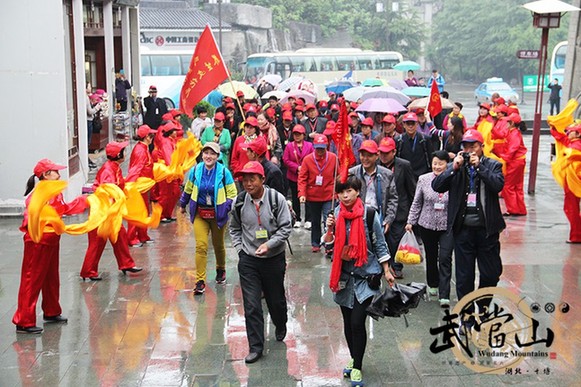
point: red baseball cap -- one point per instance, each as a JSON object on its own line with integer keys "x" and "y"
{"x": 219, "y": 116}
{"x": 502, "y": 109}
{"x": 300, "y": 108}
{"x": 258, "y": 146}
{"x": 46, "y": 165}
{"x": 176, "y": 112}
{"x": 485, "y": 105}
{"x": 389, "y": 119}
{"x": 310, "y": 106}
{"x": 331, "y": 93}
{"x": 270, "y": 112}
{"x": 230, "y": 106}
{"x": 419, "y": 111}
{"x": 286, "y": 115}
{"x": 144, "y": 130}
{"x": 512, "y": 109}
{"x": 167, "y": 127}
{"x": 369, "y": 146}
{"x": 354, "y": 115}
{"x": 367, "y": 122}
{"x": 320, "y": 141}
{"x": 287, "y": 107}
{"x": 251, "y": 167}
{"x": 323, "y": 104}
{"x": 167, "y": 117}
{"x": 298, "y": 101}
{"x": 387, "y": 144}
{"x": 251, "y": 109}
{"x": 514, "y": 118}
{"x": 354, "y": 105}
{"x": 299, "y": 129}
{"x": 239, "y": 93}
{"x": 113, "y": 148}
{"x": 252, "y": 121}
{"x": 499, "y": 101}
{"x": 152, "y": 88}
{"x": 472, "y": 135}
{"x": 334, "y": 107}
{"x": 329, "y": 128}
{"x": 409, "y": 117}
{"x": 228, "y": 100}
{"x": 573, "y": 128}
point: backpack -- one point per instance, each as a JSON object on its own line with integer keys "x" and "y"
{"x": 273, "y": 205}
{"x": 97, "y": 123}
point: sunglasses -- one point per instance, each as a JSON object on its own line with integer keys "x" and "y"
{"x": 409, "y": 123}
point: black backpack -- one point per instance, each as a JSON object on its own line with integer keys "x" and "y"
{"x": 271, "y": 199}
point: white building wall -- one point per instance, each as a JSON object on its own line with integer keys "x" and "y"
{"x": 33, "y": 124}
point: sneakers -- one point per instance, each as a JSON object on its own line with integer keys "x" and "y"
{"x": 444, "y": 303}
{"x": 297, "y": 225}
{"x": 200, "y": 287}
{"x": 220, "y": 276}
{"x": 356, "y": 378}
{"x": 433, "y": 292}
{"x": 307, "y": 225}
{"x": 348, "y": 368}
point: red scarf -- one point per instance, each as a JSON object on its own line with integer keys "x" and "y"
{"x": 357, "y": 244}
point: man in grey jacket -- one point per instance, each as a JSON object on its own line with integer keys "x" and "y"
{"x": 259, "y": 229}
{"x": 378, "y": 188}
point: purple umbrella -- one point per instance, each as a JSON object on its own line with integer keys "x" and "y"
{"x": 381, "y": 105}
{"x": 397, "y": 84}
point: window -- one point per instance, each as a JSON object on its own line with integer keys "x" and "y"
{"x": 185, "y": 59}
{"x": 299, "y": 64}
{"x": 145, "y": 66}
{"x": 346, "y": 63}
{"x": 387, "y": 63}
{"x": 367, "y": 62}
{"x": 165, "y": 65}
{"x": 327, "y": 63}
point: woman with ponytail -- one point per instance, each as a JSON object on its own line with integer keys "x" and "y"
{"x": 40, "y": 265}
{"x": 359, "y": 257}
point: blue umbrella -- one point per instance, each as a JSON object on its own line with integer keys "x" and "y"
{"x": 416, "y": 91}
{"x": 407, "y": 65}
{"x": 338, "y": 87}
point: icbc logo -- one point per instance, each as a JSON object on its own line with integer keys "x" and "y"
{"x": 159, "y": 40}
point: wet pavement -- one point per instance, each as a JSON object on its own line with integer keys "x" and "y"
{"x": 148, "y": 329}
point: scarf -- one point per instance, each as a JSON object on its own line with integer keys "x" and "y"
{"x": 356, "y": 245}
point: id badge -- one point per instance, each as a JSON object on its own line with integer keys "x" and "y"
{"x": 156, "y": 111}
{"x": 439, "y": 206}
{"x": 261, "y": 234}
{"x": 319, "y": 180}
{"x": 208, "y": 200}
{"x": 471, "y": 201}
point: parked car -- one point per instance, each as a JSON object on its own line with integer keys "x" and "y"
{"x": 483, "y": 93}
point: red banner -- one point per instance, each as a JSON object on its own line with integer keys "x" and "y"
{"x": 207, "y": 70}
{"x": 435, "y": 104}
{"x": 342, "y": 139}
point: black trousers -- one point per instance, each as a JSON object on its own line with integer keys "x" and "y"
{"x": 293, "y": 185}
{"x": 258, "y": 276}
{"x": 394, "y": 235}
{"x": 472, "y": 246}
{"x": 438, "y": 245}
{"x": 354, "y": 329}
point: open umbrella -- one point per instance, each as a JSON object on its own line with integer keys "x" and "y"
{"x": 308, "y": 97}
{"x": 277, "y": 93}
{"x": 229, "y": 89}
{"x": 397, "y": 300}
{"x": 385, "y": 92}
{"x": 416, "y": 91}
{"x": 421, "y": 103}
{"x": 381, "y": 105}
{"x": 407, "y": 65}
{"x": 289, "y": 83}
{"x": 374, "y": 82}
{"x": 338, "y": 87}
{"x": 354, "y": 93}
{"x": 273, "y": 79}
{"x": 397, "y": 84}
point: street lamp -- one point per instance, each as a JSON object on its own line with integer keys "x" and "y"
{"x": 546, "y": 14}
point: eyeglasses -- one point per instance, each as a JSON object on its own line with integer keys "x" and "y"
{"x": 409, "y": 123}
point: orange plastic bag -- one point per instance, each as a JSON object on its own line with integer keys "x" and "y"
{"x": 408, "y": 251}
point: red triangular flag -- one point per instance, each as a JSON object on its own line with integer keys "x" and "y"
{"x": 342, "y": 139}
{"x": 207, "y": 70}
{"x": 435, "y": 103}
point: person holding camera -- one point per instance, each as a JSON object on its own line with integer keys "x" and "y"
{"x": 360, "y": 259}
{"x": 473, "y": 182}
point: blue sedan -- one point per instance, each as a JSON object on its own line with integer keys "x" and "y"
{"x": 483, "y": 93}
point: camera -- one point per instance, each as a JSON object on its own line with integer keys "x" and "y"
{"x": 466, "y": 157}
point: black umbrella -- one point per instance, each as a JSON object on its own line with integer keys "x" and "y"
{"x": 397, "y": 300}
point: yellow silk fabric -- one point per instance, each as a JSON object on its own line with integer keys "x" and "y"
{"x": 182, "y": 159}
{"x": 566, "y": 167}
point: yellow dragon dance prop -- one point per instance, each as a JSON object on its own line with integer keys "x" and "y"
{"x": 182, "y": 159}
{"x": 566, "y": 167}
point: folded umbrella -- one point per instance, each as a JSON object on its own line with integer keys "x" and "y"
{"x": 397, "y": 300}
{"x": 381, "y": 105}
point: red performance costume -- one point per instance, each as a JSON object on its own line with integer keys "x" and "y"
{"x": 40, "y": 264}
{"x": 110, "y": 172}
{"x": 514, "y": 152}
{"x": 169, "y": 192}
{"x": 141, "y": 165}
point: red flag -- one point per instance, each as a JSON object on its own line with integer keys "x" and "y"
{"x": 207, "y": 70}
{"x": 435, "y": 103}
{"x": 342, "y": 139}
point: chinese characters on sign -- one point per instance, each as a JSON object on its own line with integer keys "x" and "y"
{"x": 528, "y": 54}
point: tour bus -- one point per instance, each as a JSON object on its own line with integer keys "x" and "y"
{"x": 166, "y": 70}
{"x": 558, "y": 62}
{"x": 324, "y": 65}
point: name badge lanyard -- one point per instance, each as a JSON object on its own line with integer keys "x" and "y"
{"x": 321, "y": 169}
{"x": 472, "y": 174}
{"x": 261, "y": 233}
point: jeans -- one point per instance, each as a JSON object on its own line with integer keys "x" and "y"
{"x": 438, "y": 245}
{"x": 318, "y": 211}
{"x": 257, "y": 276}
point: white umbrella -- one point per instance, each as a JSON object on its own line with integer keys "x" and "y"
{"x": 289, "y": 83}
{"x": 355, "y": 93}
{"x": 308, "y": 97}
{"x": 279, "y": 94}
{"x": 386, "y": 92}
{"x": 273, "y": 79}
{"x": 422, "y": 103}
